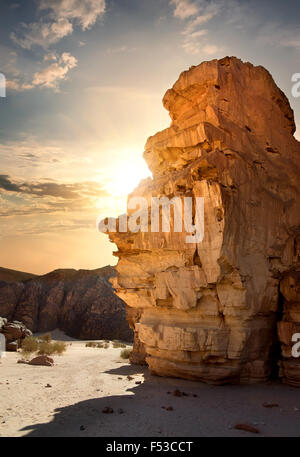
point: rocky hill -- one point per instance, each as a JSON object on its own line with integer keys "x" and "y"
{"x": 8, "y": 275}
{"x": 81, "y": 303}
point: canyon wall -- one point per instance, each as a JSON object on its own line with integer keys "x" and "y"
{"x": 210, "y": 310}
{"x": 82, "y": 303}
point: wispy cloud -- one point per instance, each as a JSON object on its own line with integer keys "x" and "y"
{"x": 42, "y": 34}
{"x": 51, "y": 76}
{"x": 274, "y": 33}
{"x": 58, "y": 21}
{"x": 184, "y": 8}
{"x": 52, "y": 188}
{"x": 47, "y": 196}
{"x": 85, "y": 12}
{"x": 195, "y": 14}
{"x": 48, "y": 77}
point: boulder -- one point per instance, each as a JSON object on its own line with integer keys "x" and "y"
{"x": 12, "y": 346}
{"x": 14, "y": 331}
{"x": 42, "y": 360}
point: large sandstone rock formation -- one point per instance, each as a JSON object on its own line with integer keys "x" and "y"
{"x": 209, "y": 311}
{"x": 81, "y": 303}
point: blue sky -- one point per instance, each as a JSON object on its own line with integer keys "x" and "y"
{"x": 85, "y": 80}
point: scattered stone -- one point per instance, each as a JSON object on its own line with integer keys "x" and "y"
{"x": 168, "y": 408}
{"x": 130, "y": 378}
{"x": 178, "y": 393}
{"x": 270, "y": 405}
{"x": 82, "y": 427}
{"x": 120, "y": 411}
{"x": 138, "y": 382}
{"x": 48, "y": 385}
{"x": 23, "y": 361}
{"x": 247, "y": 428}
{"x": 107, "y": 410}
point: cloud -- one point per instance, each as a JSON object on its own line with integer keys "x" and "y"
{"x": 85, "y": 12}
{"x": 211, "y": 49}
{"x": 58, "y": 21}
{"x": 196, "y": 14}
{"x": 291, "y": 42}
{"x": 51, "y": 188}
{"x": 184, "y": 8}
{"x": 48, "y": 77}
{"x": 42, "y": 34}
{"x": 274, "y": 33}
{"x": 211, "y": 11}
{"x": 6, "y": 184}
{"x": 47, "y": 196}
{"x": 197, "y": 34}
{"x": 51, "y": 76}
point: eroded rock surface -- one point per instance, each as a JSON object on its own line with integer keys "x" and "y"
{"x": 82, "y": 303}
{"x": 209, "y": 311}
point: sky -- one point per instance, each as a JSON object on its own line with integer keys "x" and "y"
{"x": 84, "y": 87}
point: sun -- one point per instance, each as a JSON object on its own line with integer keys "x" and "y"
{"x": 121, "y": 180}
{"x": 126, "y": 176}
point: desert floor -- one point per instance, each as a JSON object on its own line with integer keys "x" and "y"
{"x": 86, "y": 380}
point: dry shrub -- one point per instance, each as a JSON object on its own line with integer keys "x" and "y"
{"x": 91, "y": 344}
{"x": 30, "y": 345}
{"x": 45, "y": 348}
{"x": 59, "y": 347}
{"x": 50, "y": 348}
{"x": 125, "y": 353}
{"x": 117, "y": 344}
{"x": 42, "y": 346}
{"x": 46, "y": 337}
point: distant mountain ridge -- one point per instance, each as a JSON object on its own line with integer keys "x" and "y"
{"x": 14, "y": 275}
{"x": 82, "y": 303}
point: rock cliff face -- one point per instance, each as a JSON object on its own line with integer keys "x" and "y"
{"x": 81, "y": 303}
{"x": 210, "y": 310}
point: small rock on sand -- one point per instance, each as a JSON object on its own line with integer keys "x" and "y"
{"x": 107, "y": 410}
{"x": 246, "y": 428}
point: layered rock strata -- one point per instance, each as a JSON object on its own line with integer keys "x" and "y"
{"x": 209, "y": 310}
{"x": 82, "y": 303}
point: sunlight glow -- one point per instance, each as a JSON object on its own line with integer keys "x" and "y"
{"x": 126, "y": 177}
{"x": 121, "y": 180}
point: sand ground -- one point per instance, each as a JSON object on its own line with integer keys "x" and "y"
{"x": 86, "y": 380}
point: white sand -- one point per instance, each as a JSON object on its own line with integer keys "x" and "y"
{"x": 86, "y": 380}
